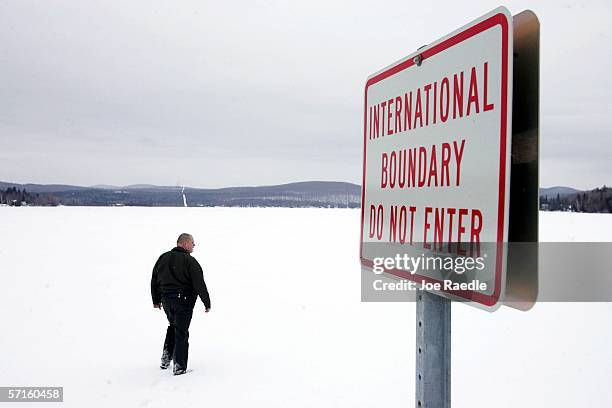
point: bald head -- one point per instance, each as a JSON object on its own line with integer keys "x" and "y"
{"x": 186, "y": 242}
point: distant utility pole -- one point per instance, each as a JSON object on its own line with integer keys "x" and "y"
{"x": 184, "y": 198}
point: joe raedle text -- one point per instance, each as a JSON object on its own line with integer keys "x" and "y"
{"x": 447, "y": 285}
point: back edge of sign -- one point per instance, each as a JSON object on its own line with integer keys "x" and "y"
{"x": 522, "y": 273}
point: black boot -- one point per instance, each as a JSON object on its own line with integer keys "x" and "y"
{"x": 178, "y": 370}
{"x": 165, "y": 360}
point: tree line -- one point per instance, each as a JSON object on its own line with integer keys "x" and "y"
{"x": 16, "y": 197}
{"x": 598, "y": 200}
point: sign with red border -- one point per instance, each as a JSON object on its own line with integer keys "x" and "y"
{"x": 436, "y": 155}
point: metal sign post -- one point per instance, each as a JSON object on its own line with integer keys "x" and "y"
{"x": 433, "y": 350}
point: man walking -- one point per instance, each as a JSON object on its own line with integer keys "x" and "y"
{"x": 176, "y": 282}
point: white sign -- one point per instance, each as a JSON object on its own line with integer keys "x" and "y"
{"x": 436, "y": 163}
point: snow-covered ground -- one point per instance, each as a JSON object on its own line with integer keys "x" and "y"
{"x": 287, "y": 328}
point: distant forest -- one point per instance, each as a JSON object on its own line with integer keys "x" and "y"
{"x": 307, "y": 194}
{"x": 15, "y": 197}
{"x": 594, "y": 201}
{"x": 303, "y": 194}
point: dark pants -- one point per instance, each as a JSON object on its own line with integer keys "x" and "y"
{"x": 179, "y": 310}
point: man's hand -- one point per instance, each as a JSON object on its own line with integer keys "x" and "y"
{"x": 206, "y": 310}
{"x": 157, "y": 306}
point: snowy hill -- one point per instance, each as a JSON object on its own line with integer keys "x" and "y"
{"x": 553, "y": 191}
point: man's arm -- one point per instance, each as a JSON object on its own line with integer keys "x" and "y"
{"x": 197, "y": 280}
{"x": 155, "y": 292}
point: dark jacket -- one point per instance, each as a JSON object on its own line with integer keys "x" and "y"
{"x": 176, "y": 271}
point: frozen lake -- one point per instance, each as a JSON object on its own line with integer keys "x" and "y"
{"x": 286, "y": 329}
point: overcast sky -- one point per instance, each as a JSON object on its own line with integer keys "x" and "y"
{"x": 210, "y": 93}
